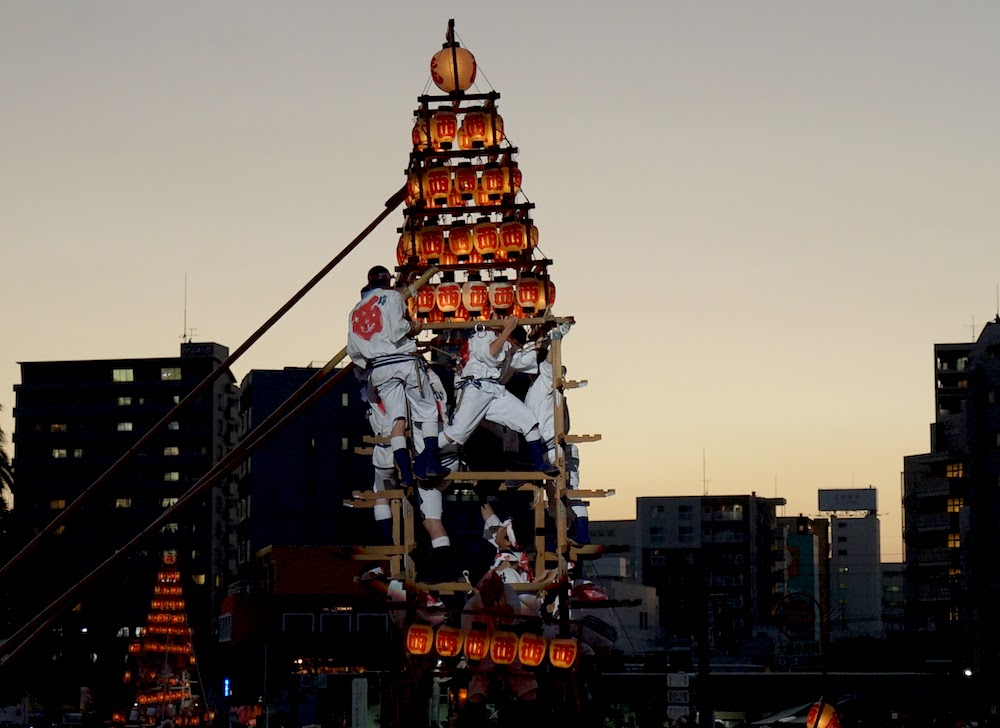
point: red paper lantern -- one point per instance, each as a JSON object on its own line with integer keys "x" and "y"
{"x": 448, "y": 296}
{"x": 453, "y": 68}
{"x": 430, "y": 243}
{"x": 414, "y": 188}
{"x": 530, "y": 293}
{"x": 437, "y": 184}
{"x": 419, "y": 638}
{"x": 435, "y": 316}
{"x": 511, "y": 179}
{"x": 503, "y": 649}
{"x": 822, "y": 715}
{"x": 424, "y": 301}
{"x": 531, "y": 649}
{"x": 461, "y": 314}
{"x": 464, "y": 142}
{"x": 483, "y": 198}
{"x": 448, "y": 641}
{"x": 406, "y": 249}
{"x": 455, "y": 198}
{"x": 492, "y": 181}
{"x": 474, "y": 126}
{"x": 447, "y": 257}
{"x": 477, "y": 644}
{"x": 420, "y": 135}
{"x": 486, "y": 239}
{"x": 444, "y": 127}
{"x": 502, "y": 297}
{"x": 513, "y": 238}
{"x": 475, "y": 296}
{"x": 494, "y": 129}
{"x": 563, "y": 651}
{"x": 550, "y": 294}
{"x": 460, "y": 241}
{"x": 532, "y": 235}
{"x": 466, "y": 181}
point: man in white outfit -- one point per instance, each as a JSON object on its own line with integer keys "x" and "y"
{"x": 380, "y": 341}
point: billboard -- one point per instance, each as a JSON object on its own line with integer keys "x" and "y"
{"x": 848, "y": 499}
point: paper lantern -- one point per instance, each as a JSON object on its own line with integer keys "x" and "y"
{"x": 435, "y": 316}
{"x": 492, "y": 181}
{"x": 474, "y": 126}
{"x": 460, "y": 241}
{"x": 462, "y": 138}
{"x": 444, "y": 127}
{"x": 475, "y": 296}
{"x": 414, "y": 188}
{"x": 466, "y": 181}
{"x": 437, "y": 184}
{"x": 477, "y": 644}
{"x": 822, "y": 715}
{"x": 486, "y": 239}
{"x": 532, "y": 235}
{"x": 406, "y": 249}
{"x": 455, "y": 198}
{"x": 430, "y": 243}
{"x": 550, "y": 294}
{"x": 502, "y": 297}
{"x": 448, "y": 641}
{"x": 483, "y": 198}
{"x": 419, "y": 638}
{"x": 494, "y": 129}
{"x": 563, "y": 652}
{"x": 420, "y": 135}
{"x": 423, "y": 302}
{"x": 461, "y": 314}
{"x": 531, "y": 649}
{"x": 453, "y": 68}
{"x": 503, "y": 648}
{"x": 447, "y": 257}
{"x": 530, "y": 296}
{"x": 511, "y": 179}
{"x": 448, "y": 296}
{"x": 513, "y": 238}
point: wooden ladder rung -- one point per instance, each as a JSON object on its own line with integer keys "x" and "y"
{"x": 572, "y": 383}
{"x": 368, "y": 553}
{"x": 574, "y": 493}
{"x": 469, "y": 476}
{"x": 384, "y": 494}
{"x": 581, "y": 438}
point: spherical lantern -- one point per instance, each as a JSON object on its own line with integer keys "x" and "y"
{"x": 466, "y": 181}
{"x": 531, "y": 649}
{"x": 494, "y": 129}
{"x": 474, "y": 125}
{"x": 822, "y": 715}
{"x": 424, "y": 301}
{"x": 513, "y": 238}
{"x": 532, "y": 234}
{"x": 464, "y": 142}
{"x": 492, "y": 181}
{"x": 502, "y": 297}
{"x": 486, "y": 239}
{"x": 419, "y": 638}
{"x": 406, "y": 249}
{"x": 420, "y": 135}
{"x": 430, "y": 243}
{"x": 453, "y": 68}
{"x": 477, "y": 644}
{"x": 414, "y": 187}
{"x": 448, "y": 641}
{"x": 448, "y": 296}
{"x": 475, "y": 296}
{"x": 530, "y": 293}
{"x": 550, "y": 294}
{"x": 563, "y": 652}
{"x": 444, "y": 127}
{"x": 511, "y": 179}
{"x": 503, "y": 649}
{"x": 437, "y": 184}
{"x": 460, "y": 241}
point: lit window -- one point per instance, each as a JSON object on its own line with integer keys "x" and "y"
{"x": 124, "y": 401}
{"x": 123, "y": 503}
{"x": 344, "y": 399}
{"x": 57, "y": 428}
{"x": 842, "y": 569}
{"x": 344, "y": 444}
{"x": 171, "y": 451}
{"x": 198, "y": 578}
{"x": 172, "y": 476}
{"x": 952, "y": 614}
{"x": 124, "y": 427}
{"x": 123, "y": 375}
{"x": 954, "y": 571}
{"x": 177, "y": 399}
{"x": 78, "y": 453}
{"x": 955, "y": 504}
{"x": 954, "y": 541}
{"x": 167, "y": 502}
{"x": 59, "y": 453}
{"x": 174, "y": 425}
{"x": 57, "y": 505}
{"x": 170, "y": 528}
{"x": 170, "y": 374}
{"x": 953, "y": 470}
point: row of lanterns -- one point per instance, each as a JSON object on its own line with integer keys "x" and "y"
{"x": 444, "y": 186}
{"x": 480, "y": 129}
{"x": 500, "y": 646}
{"x": 484, "y": 241}
{"x": 476, "y": 299}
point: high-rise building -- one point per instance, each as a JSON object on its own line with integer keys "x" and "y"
{"x": 73, "y": 421}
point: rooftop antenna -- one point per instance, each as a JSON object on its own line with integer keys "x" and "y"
{"x": 704, "y": 480}
{"x": 188, "y": 333}
{"x": 972, "y": 328}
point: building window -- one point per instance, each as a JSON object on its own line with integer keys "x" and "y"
{"x": 685, "y": 534}
{"x": 955, "y": 504}
{"x": 124, "y": 427}
{"x": 123, "y": 503}
{"x": 992, "y": 396}
{"x": 124, "y": 401}
{"x": 123, "y": 375}
{"x": 198, "y": 579}
{"x": 175, "y": 425}
{"x": 335, "y": 623}
{"x": 953, "y": 470}
{"x": 170, "y": 528}
{"x": 57, "y": 505}
{"x": 370, "y": 624}
{"x": 952, "y": 614}
{"x": 57, "y": 428}
{"x": 344, "y": 444}
{"x": 167, "y": 502}
{"x": 643, "y": 620}
{"x": 954, "y": 541}
{"x": 344, "y": 399}
{"x": 172, "y": 476}
{"x": 177, "y": 399}
{"x": 171, "y": 451}
{"x": 841, "y": 539}
{"x": 841, "y": 552}
{"x": 78, "y": 453}
{"x": 225, "y": 627}
{"x": 170, "y": 374}
{"x": 954, "y": 571}
{"x": 842, "y": 569}
{"x": 841, "y": 524}
{"x": 297, "y": 623}
{"x": 59, "y": 453}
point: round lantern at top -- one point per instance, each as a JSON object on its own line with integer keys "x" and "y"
{"x": 453, "y": 68}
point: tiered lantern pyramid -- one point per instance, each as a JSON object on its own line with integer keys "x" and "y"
{"x": 161, "y": 660}
{"x": 465, "y": 213}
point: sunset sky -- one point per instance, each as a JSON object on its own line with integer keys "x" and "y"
{"x": 762, "y": 215}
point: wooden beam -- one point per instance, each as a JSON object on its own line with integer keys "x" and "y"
{"x": 468, "y": 476}
{"x": 582, "y": 438}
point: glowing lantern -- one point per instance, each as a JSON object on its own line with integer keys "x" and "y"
{"x": 494, "y": 129}
{"x": 511, "y": 179}
{"x": 455, "y": 198}
{"x": 483, "y": 198}
{"x": 466, "y": 181}
{"x": 406, "y": 250}
{"x": 448, "y": 295}
{"x": 460, "y": 241}
{"x": 503, "y": 650}
{"x": 444, "y": 127}
{"x": 477, "y": 644}
{"x": 419, "y": 638}
{"x": 420, "y": 136}
{"x": 461, "y": 314}
{"x": 437, "y": 184}
{"x": 530, "y": 293}
{"x": 475, "y": 125}
{"x": 448, "y": 641}
{"x": 532, "y": 235}
{"x": 475, "y": 257}
{"x": 531, "y": 649}
{"x": 430, "y": 243}
{"x": 822, "y": 715}
{"x": 414, "y": 188}
{"x": 502, "y": 297}
{"x": 435, "y": 316}
{"x": 550, "y": 294}
{"x": 486, "y": 239}
{"x": 453, "y": 68}
{"x": 512, "y": 238}
{"x": 475, "y": 296}
{"x": 563, "y": 651}
{"x": 492, "y": 181}
{"x": 464, "y": 142}
{"x": 424, "y": 301}
{"x": 448, "y": 258}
